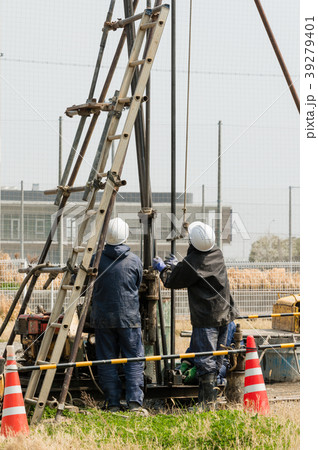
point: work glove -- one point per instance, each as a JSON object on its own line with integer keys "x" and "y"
{"x": 184, "y": 366}
{"x": 171, "y": 261}
{"x": 190, "y": 375}
{"x": 158, "y": 264}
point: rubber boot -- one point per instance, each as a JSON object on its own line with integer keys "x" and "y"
{"x": 208, "y": 391}
{"x": 138, "y": 409}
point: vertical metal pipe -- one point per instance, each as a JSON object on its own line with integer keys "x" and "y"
{"x": 101, "y": 50}
{"x": 140, "y": 136}
{"x": 22, "y": 222}
{"x": 173, "y": 163}
{"x": 156, "y": 348}
{"x": 278, "y": 53}
{"x": 113, "y": 156}
{"x": 219, "y": 201}
{"x": 290, "y": 248}
{"x": 139, "y": 123}
{"x": 162, "y": 327}
{"x": 60, "y": 149}
{"x": 61, "y": 234}
{"x": 147, "y": 146}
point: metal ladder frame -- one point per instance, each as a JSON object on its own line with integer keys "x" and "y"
{"x": 112, "y": 185}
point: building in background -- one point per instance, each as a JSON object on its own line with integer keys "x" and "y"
{"x": 37, "y": 211}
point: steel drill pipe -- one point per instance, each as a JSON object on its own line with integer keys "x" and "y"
{"x": 278, "y": 53}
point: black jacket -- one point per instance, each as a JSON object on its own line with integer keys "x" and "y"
{"x": 205, "y": 276}
{"x": 116, "y": 291}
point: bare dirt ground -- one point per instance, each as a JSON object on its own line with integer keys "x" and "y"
{"x": 283, "y": 391}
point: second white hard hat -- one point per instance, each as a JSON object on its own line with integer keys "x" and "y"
{"x": 118, "y": 231}
{"x": 201, "y": 236}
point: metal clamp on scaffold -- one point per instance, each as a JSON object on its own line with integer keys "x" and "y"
{"x": 115, "y": 179}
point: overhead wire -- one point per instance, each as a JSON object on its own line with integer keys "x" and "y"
{"x": 155, "y": 69}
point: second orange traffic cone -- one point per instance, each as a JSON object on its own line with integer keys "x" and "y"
{"x": 14, "y": 419}
{"x": 255, "y": 395}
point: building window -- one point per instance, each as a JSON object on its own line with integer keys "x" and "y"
{"x": 40, "y": 227}
{"x": 15, "y": 228}
{"x": 70, "y": 229}
{"x": 11, "y": 227}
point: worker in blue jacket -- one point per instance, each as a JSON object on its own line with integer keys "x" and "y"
{"x": 116, "y": 318}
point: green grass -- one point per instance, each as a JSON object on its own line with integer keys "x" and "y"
{"x": 10, "y": 285}
{"x": 224, "y": 429}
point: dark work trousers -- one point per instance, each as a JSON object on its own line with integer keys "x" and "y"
{"x": 126, "y": 343}
{"x": 205, "y": 340}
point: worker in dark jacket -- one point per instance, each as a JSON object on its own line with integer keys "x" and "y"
{"x": 204, "y": 273}
{"x": 116, "y": 318}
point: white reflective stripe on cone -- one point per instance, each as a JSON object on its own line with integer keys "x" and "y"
{"x": 11, "y": 368}
{"x": 16, "y": 410}
{"x": 254, "y": 388}
{"x": 255, "y": 371}
{"x": 252, "y": 355}
{"x": 13, "y": 390}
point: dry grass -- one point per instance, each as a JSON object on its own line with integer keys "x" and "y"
{"x": 5, "y": 304}
{"x": 216, "y": 430}
{"x": 6, "y": 333}
{"x": 287, "y": 411}
{"x": 277, "y": 278}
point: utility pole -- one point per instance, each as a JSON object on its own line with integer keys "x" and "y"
{"x": 173, "y": 164}
{"x": 203, "y": 201}
{"x": 22, "y": 222}
{"x": 61, "y": 234}
{"x": 1, "y": 55}
{"x": 290, "y": 239}
{"x": 290, "y": 244}
{"x": 219, "y": 200}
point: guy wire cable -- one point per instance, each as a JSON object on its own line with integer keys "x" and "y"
{"x": 187, "y": 119}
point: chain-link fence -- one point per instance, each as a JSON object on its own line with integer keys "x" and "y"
{"x": 255, "y": 287}
{"x": 10, "y": 280}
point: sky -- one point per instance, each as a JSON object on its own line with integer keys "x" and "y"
{"x": 49, "y": 52}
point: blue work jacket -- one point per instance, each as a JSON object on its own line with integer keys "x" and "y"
{"x": 115, "y": 302}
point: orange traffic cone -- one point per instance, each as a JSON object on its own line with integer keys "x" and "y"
{"x": 14, "y": 419}
{"x": 255, "y": 395}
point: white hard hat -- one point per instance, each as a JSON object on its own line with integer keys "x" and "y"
{"x": 201, "y": 236}
{"x": 118, "y": 231}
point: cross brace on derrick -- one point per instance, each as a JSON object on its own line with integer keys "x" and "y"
{"x": 136, "y": 76}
